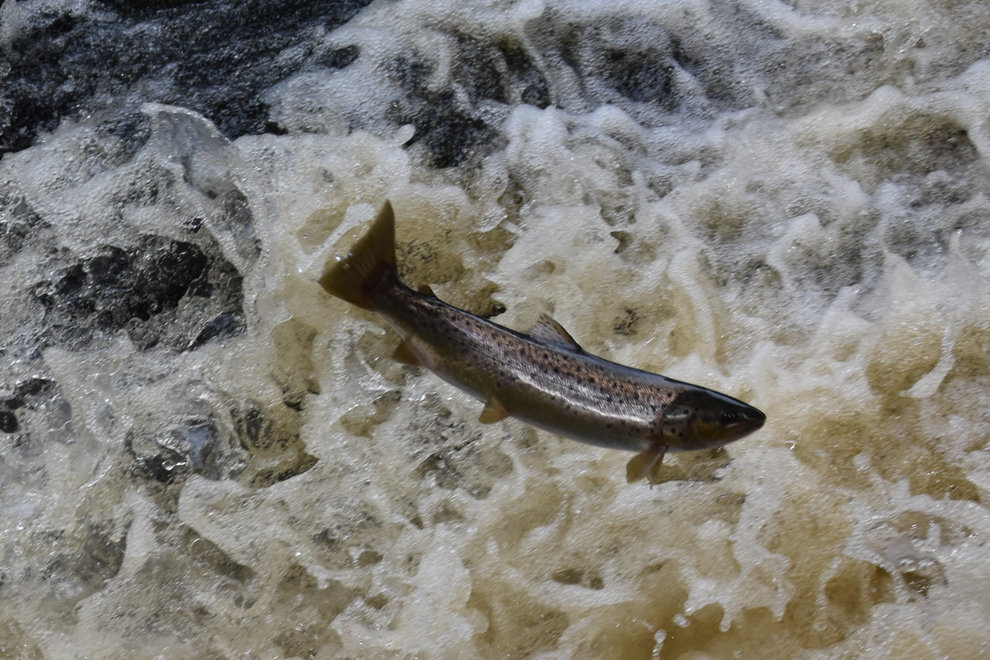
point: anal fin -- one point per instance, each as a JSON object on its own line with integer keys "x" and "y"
{"x": 405, "y": 354}
{"x": 646, "y": 464}
{"x": 494, "y": 411}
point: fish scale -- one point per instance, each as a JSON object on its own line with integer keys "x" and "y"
{"x": 542, "y": 377}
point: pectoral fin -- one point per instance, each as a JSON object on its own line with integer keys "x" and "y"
{"x": 494, "y": 412}
{"x": 646, "y": 464}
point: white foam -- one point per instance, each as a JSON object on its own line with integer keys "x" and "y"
{"x": 826, "y": 260}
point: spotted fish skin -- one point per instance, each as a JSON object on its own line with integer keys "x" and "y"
{"x": 542, "y": 377}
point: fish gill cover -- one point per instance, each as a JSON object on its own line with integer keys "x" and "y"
{"x": 204, "y": 455}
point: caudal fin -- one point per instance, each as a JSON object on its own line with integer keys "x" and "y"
{"x": 355, "y": 276}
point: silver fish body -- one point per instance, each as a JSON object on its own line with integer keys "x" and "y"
{"x": 542, "y": 377}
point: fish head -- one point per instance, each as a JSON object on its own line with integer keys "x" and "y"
{"x": 699, "y": 418}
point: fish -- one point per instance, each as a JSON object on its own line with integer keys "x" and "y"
{"x": 542, "y": 377}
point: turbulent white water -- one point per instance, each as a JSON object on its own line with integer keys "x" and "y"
{"x": 789, "y": 203}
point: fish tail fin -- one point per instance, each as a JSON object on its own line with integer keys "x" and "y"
{"x": 355, "y": 276}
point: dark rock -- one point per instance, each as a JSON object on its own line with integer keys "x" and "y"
{"x": 217, "y": 58}
{"x": 138, "y": 290}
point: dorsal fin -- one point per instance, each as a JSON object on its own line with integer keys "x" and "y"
{"x": 426, "y": 290}
{"x": 548, "y": 330}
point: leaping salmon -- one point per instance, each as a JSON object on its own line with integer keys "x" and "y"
{"x": 542, "y": 377}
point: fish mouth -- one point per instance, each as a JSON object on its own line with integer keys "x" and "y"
{"x": 717, "y": 418}
{"x": 746, "y": 420}
{"x": 741, "y": 420}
